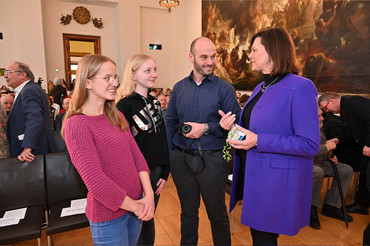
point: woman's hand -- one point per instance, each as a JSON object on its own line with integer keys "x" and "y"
{"x": 139, "y": 209}
{"x": 249, "y": 142}
{"x": 160, "y": 185}
{"x": 227, "y": 120}
{"x": 148, "y": 211}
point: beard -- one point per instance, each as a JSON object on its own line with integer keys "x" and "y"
{"x": 203, "y": 70}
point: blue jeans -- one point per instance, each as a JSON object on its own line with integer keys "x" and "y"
{"x": 124, "y": 230}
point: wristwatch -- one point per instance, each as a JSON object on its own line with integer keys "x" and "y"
{"x": 206, "y": 129}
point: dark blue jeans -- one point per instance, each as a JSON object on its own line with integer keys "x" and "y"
{"x": 210, "y": 184}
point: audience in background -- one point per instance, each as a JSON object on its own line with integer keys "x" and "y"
{"x": 58, "y": 91}
{"x": 355, "y": 112}
{"x": 52, "y": 112}
{"x": 4, "y": 143}
{"x": 7, "y": 102}
{"x": 163, "y": 100}
{"x": 61, "y": 145}
{"x": 323, "y": 162}
{"x": 238, "y": 95}
{"x": 29, "y": 122}
{"x": 55, "y": 106}
{"x": 243, "y": 99}
{"x": 143, "y": 113}
{"x": 106, "y": 156}
{"x": 347, "y": 150}
{"x": 65, "y": 104}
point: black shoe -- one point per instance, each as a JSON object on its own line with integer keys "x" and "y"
{"x": 335, "y": 213}
{"x": 357, "y": 208}
{"x": 314, "y": 218}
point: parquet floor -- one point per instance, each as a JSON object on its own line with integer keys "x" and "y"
{"x": 167, "y": 219}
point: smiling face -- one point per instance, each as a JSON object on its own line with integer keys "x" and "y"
{"x": 203, "y": 58}
{"x": 259, "y": 58}
{"x": 101, "y": 87}
{"x": 145, "y": 76}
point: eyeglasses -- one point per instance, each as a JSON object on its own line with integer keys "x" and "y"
{"x": 325, "y": 107}
{"x": 11, "y": 71}
{"x": 110, "y": 79}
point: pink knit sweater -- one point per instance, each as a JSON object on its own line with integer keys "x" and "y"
{"x": 109, "y": 163}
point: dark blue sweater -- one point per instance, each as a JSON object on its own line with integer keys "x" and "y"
{"x": 192, "y": 103}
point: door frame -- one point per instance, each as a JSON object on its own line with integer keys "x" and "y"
{"x": 67, "y": 53}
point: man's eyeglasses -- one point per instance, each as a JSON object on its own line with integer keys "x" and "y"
{"x": 110, "y": 79}
{"x": 11, "y": 71}
{"x": 325, "y": 107}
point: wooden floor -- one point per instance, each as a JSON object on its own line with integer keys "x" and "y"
{"x": 167, "y": 220}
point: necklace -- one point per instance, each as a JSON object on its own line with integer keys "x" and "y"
{"x": 264, "y": 86}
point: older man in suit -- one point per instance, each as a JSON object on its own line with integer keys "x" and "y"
{"x": 29, "y": 123}
{"x": 355, "y": 112}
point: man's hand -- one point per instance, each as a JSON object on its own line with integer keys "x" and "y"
{"x": 26, "y": 155}
{"x": 332, "y": 143}
{"x": 333, "y": 158}
{"x": 227, "y": 121}
{"x": 197, "y": 130}
{"x": 160, "y": 185}
{"x": 366, "y": 151}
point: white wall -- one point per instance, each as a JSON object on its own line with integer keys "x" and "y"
{"x": 182, "y": 25}
{"x": 53, "y": 32}
{"x": 21, "y": 25}
{"x": 28, "y": 24}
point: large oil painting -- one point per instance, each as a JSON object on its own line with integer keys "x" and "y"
{"x": 331, "y": 39}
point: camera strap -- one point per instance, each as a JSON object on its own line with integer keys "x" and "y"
{"x": 195, "y": 163}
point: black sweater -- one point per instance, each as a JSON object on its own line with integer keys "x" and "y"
{"x": 147, "y": 127}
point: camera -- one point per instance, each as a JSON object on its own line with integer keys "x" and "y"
{"x": 183, "y": 128}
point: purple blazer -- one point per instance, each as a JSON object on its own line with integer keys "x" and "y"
{"x": 278, "y": 172}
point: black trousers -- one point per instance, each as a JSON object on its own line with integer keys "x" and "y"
{"x": 362, "y": 194}
{"x": 262, "y": 238}
{"x": 210, "y": 184}
{"x": 147, "y": 235}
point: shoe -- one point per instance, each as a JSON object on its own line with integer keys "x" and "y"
{"x": 357, "y": 208}
{"x": 314, "y": 218}
{"x": 336, "y": 213}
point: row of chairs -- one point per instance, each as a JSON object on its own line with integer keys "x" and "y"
{"x": 44, "y": 186}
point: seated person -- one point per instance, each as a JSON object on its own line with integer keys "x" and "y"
{"x": 7, "y": 102}
{"x": 347, "y": 151}
{"x": 322, "y": 166}
{"x": 61, "y": 145}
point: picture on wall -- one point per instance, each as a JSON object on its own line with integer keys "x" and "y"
{"x": 331, "y": 39}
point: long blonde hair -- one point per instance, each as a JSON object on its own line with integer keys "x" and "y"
{"x": 88, "y": 67}
{"x": 128, "y": 84}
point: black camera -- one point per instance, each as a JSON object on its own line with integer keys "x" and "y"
{"x": 183, "y": 128}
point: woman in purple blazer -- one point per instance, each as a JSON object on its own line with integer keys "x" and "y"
{"x": 273, "y": 164}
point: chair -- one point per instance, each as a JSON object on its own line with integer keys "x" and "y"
{"x": 63, "y": 184}
{"x": 22, "y": 185}
{"x": 355, "y": 184}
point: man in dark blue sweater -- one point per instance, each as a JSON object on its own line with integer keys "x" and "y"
{"x": 197, "y": 163}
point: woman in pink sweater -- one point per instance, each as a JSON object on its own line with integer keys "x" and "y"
{"x": 105, "y": 154}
